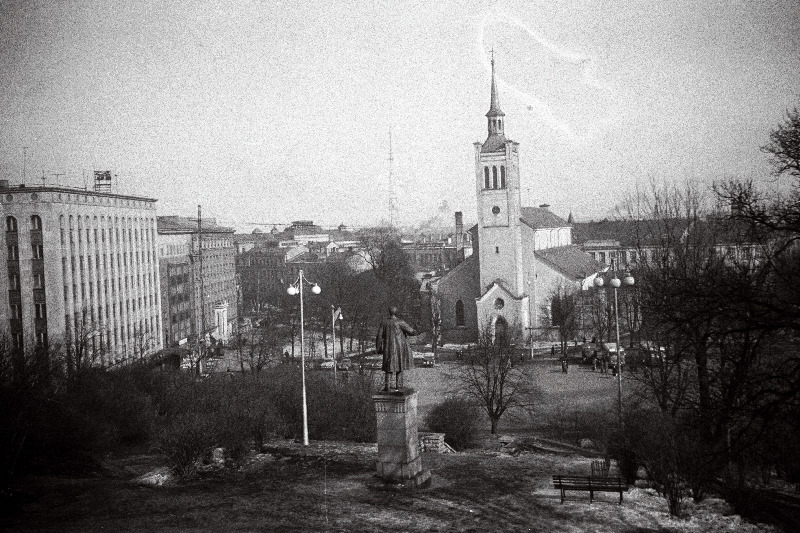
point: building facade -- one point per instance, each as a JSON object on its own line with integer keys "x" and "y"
{"x": 263, "y": 276}
{"x": 81, "y": 272}
{"x": 194, "y": 298}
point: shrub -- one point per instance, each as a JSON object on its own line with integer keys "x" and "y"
{"x": 457, "y": 418}
{"x": 337, "y": 410}
{"x": 678, "y": 460}
{"x": 80, "y": 417}
{"x": 185, "y": 441}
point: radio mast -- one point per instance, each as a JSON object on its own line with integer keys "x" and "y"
{"x": 392, "y": 192}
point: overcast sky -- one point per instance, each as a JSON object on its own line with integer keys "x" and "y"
{"x": 276, "y": 111}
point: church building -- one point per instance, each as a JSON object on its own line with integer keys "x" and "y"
{"x": 521, "y": 255}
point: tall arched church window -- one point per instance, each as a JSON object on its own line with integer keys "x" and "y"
{"x": 502, "y": 176}
{"x": 459, "y": 313}
{"x": 485, "y": 178}
{"x": 499, "y": 124}
{"x": 494, "y": 177}
{"x": 11, "y": 222}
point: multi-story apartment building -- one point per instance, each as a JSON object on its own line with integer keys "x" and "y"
{"x": 263, "y": 276}
{"x": 81, "y": 272}
{"x": 195, "y": 299}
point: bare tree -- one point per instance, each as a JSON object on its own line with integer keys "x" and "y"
{"x": 561, "y": 312}
{"x": 82, "y": 347}
{"x": 141, "y": 341}
{"x": 263, "y": 347}
{"x": 488, "y": 374}
{"x": 709, "y": 305}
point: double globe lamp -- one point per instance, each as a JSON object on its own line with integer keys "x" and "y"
{"x": 297, "y": 288}
{"x": 616, "y": 283}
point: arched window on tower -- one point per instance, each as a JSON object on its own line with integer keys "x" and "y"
{"x": 11, "y": 222}
{"x": 494, "y": 177}
{"x": 499, "y": 125}
{"x": 36, "y": 223}
{"x": 459, "y": 313}
{"x": 485, "y": 178}
{"x": 502, "y": 176}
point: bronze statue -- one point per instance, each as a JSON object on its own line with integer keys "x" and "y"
{"x": 392, "y": 343}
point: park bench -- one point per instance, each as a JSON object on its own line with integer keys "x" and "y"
{"x": 591, "y": 484}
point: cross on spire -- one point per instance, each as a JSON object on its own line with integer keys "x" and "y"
{"x": 494, "y": 108}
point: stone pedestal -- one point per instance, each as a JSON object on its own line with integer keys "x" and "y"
{"x": 399, "y": 459}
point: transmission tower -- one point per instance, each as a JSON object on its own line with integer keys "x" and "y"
{"x": 392, "y": 192}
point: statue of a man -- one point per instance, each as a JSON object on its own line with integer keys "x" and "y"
{"x": 392, "y": 343}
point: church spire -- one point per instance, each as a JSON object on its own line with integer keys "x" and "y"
{"x": 495, "y": 114}
{"x": 494, "y": 108}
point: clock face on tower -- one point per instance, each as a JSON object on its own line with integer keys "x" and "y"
{"x": 495, "y": 210}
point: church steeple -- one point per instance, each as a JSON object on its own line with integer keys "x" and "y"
{"x": 494, "y": 108}
{"x": 496, "y": 140}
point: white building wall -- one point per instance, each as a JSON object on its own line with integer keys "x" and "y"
{"x": 83, "y": 241}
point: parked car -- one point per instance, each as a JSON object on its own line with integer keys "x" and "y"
{"x": 423, "y": 360}
{"x": 373, "y": 362}
{"x": 324, "y": 364}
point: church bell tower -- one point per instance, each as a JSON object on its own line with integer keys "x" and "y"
{"x": 499, "y": 204}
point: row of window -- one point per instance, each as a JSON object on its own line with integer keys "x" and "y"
{"x": 11, "y": 223}
{"x": 40, "y": 309}
{"x": 491, "y": 182}
{"x": 13, "y": 252}
{"x": 14, "y": 285}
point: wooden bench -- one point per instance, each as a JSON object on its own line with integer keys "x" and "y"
{"x": 591, "y": 484}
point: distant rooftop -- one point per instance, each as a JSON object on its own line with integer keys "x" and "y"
{"x": 22, "y": 187}
{"x": 178, "y": 225}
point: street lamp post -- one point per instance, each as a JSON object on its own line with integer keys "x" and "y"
{"x": 615, "y": 283}
{"x": 335, "y": 313}
{"x": 295, "y": 288}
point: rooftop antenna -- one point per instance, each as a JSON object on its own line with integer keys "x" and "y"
{"x": 392, "y": 194}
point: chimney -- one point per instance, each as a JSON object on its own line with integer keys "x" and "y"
{"x": 459, "y": 237}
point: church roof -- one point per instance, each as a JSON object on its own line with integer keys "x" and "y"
{"x": 539, "y": 218}
{"x": 494, "y": 143}
{"x": 570, "y": 260}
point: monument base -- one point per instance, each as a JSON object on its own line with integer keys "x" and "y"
{"x": 399, "y": 461}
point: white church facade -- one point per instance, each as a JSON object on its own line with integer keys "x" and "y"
{"x": 521, "y": 255}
